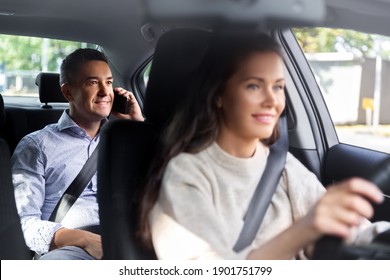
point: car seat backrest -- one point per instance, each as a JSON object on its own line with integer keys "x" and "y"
{"x": 125, "y": 151}
{"x": 12, "y": 244}
{"x": 175, "y": 62}
{"x": 2, "y": 117}
{"x": 127, "y": 148}
{"x": 20, "y": 121}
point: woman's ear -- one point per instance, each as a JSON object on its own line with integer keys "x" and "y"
{"x": 65, "y": 88}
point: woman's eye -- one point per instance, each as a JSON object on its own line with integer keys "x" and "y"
{"x": 253, "y": 86}
{"x": 279, "y": 87}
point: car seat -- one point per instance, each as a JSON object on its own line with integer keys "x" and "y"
{"x": 16, "y": 122}
{"x": 127, "y": 147}
{"x": 2, "y": 117}
{"x": 20, "y": 121}
{"x": 12, "y": 244}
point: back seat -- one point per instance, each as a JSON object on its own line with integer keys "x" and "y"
{"x": 12, "y": 244}
{"x": 15, "y": 123}
{"x": 20, "y": 121}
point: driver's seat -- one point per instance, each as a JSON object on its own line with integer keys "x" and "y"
{"x": 127, "y": 148}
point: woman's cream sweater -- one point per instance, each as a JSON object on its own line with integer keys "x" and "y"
{"x": 204, "y": 198}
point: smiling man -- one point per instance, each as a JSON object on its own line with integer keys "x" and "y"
{"x": 45, "y": 162}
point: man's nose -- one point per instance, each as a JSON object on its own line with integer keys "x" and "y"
{"x": 105, "y": 89}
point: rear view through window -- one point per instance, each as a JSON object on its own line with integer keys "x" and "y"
{"x": 352, "y": 70}
{"x": 22, "y": 58}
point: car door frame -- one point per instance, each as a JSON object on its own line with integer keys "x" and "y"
{"x": 313, "y": 137}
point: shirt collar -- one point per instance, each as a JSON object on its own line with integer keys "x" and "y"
{"x": 66, "y": 122}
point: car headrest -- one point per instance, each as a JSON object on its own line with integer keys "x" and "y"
{"x": 177, "y": 56}
{"x": 2, "y": 115}
{"x": 49, "y": 88}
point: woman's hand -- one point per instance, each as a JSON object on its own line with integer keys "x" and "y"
{"x": 344, "y": 205}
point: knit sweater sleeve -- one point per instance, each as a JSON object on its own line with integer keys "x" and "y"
{"x": 303, "y": 187}
{"x": 305, "y": 190}
{"x": 184, "y": 222}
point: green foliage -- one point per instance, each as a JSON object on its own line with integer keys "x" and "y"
{"x": 29, "y": 53}
{"x": 314, "y": 40}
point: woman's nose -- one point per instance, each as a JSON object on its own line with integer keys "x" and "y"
{"x": 270, "y": 97}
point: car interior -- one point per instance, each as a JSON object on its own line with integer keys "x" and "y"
{"x": 129, "y": 33}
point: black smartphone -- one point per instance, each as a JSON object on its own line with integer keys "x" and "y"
{"x": 121, "y": 103}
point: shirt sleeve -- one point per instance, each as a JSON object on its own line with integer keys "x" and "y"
{"x": 28, "y": 176}
{"x": 184, "y": 222}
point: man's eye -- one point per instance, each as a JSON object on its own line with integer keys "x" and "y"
{"x": 92, "y": 83}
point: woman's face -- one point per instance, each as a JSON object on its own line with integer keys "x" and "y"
{"x": 253, "y": 98}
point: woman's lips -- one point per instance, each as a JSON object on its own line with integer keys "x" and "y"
{"x": 264, "y": 118}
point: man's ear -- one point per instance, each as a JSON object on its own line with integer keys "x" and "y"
{"x": 65, "y": 88}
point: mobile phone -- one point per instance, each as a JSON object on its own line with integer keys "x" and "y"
{"x": 121, "y": 103}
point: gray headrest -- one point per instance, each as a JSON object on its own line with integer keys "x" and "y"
{"x": 49, "y": 88}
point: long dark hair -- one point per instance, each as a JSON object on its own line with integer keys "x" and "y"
{"x": 196, "y": 124}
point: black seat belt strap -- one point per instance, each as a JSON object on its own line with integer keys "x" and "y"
{"x": 265, "y": 188}
{"x": 75, "y": 188}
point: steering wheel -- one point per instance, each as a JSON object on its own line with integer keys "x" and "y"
{"x": 332, "y": 248}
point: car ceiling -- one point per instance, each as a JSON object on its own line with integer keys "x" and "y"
{"x": 120, "y": 22}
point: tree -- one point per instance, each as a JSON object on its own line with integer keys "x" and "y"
{"x": 336, "y": 40}
{"x": 11, "y": 48}
{"x": 25, "y": 53}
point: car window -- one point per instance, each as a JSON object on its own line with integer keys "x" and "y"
{"x": 145, "y": 73}
{"x": 141, "y": 78}
{"x": 22, "y": 58}
{"x": 352, "y": 70}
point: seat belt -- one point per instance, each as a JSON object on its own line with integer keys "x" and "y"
{"x": 265, "y": 188}
{"x": 74, "y": 190}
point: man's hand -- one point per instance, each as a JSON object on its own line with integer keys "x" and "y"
{"x": 93, "y": 245}
{"x": 135, "y": 111}
{"x": 86, "y": 240}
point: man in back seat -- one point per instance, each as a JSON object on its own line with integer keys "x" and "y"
{"x": 45, "y": 162}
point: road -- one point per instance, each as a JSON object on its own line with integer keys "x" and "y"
{"x": 369, "y": 137}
